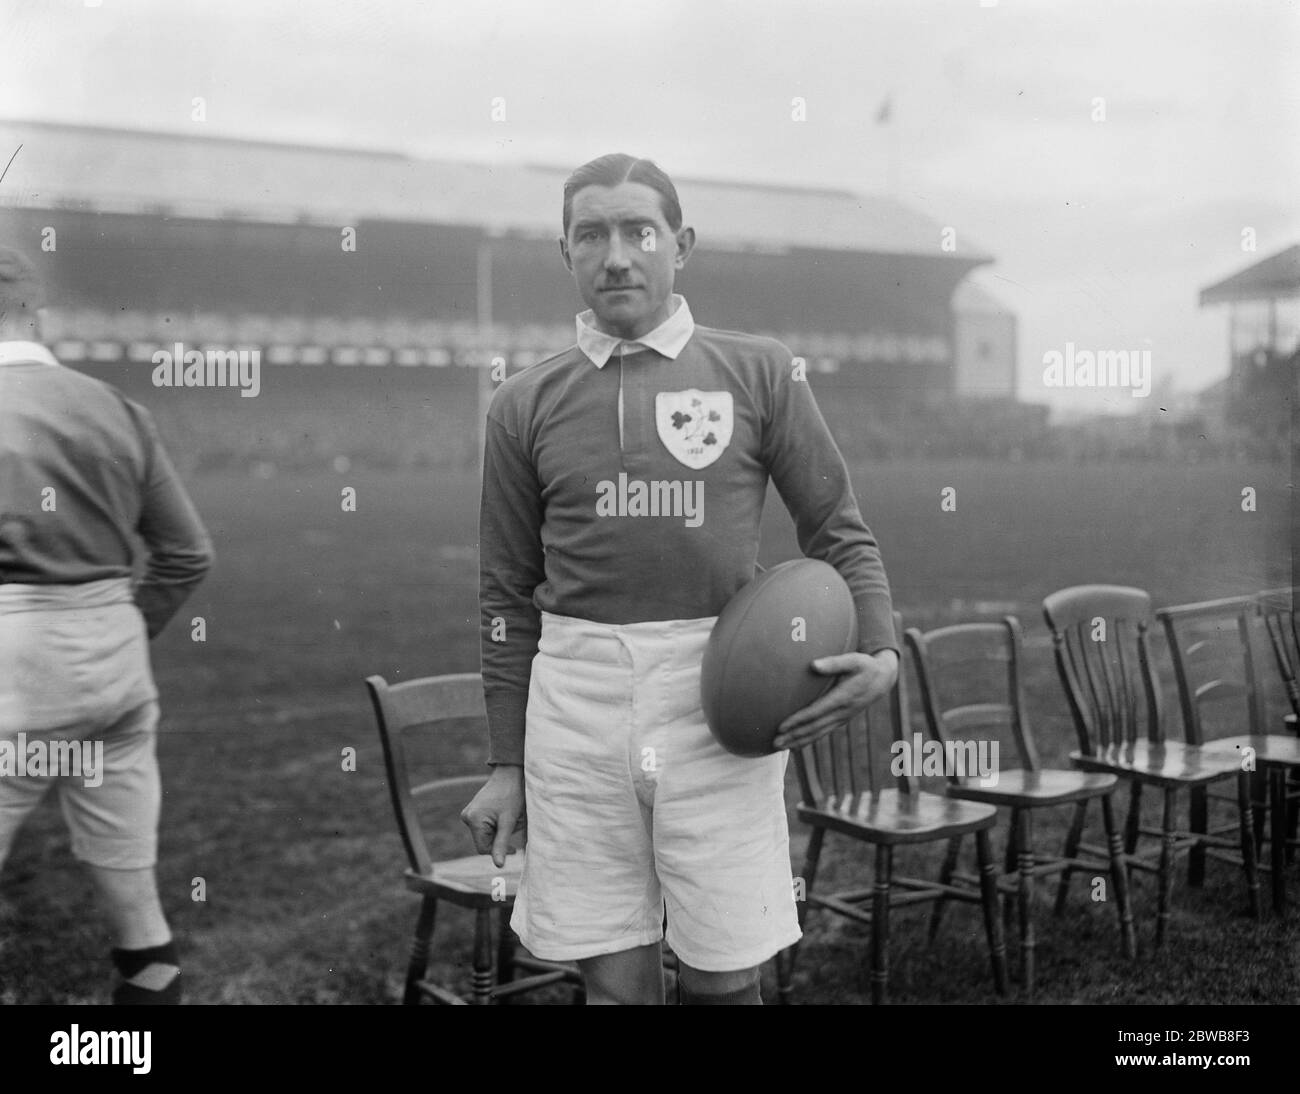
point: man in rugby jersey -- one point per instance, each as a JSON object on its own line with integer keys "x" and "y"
{"x": 82, "y": 474}
{"x": 623, "y": 486}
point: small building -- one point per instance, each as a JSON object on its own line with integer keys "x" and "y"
{"x": 1263, "y": 382}
{"x": 984, "y": 343}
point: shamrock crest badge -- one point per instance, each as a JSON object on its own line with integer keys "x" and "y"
{"x": 695, "y": 426}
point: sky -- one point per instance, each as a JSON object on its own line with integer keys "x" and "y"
{"x": 1110, "y": 155}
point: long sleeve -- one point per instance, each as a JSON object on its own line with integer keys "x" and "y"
{"x": 511, "y": 566}
{"x": 813, "y": 481}
{"x": 180, "y": 551}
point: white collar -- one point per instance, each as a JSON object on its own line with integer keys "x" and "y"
{"x": 668, "y": 338}
{"x": 25, "y": 353}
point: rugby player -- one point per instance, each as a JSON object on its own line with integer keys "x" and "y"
{"x": 82, "y": 472}
{"x": 623, "y": 485}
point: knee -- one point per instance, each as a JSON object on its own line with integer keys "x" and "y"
{"x": 612, "y": 991}
{"x": 739, "y": 987}
{"x": 632, "y": 977}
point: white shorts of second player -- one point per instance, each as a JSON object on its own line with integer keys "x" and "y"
{"x": 75, "y": 683}
{"x": 634, "y": 808}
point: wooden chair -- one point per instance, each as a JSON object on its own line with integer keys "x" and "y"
{"x": 844, "y": 790}
{"x": 959, "y": 669}
{"x": 471, "y": 881}
{"x": 1101, "y": 638}
{"x": 1211, "y": 652}
{"x": 1210, "y": 644}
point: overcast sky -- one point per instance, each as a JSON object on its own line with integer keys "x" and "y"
{"x": 1104, "y": 230}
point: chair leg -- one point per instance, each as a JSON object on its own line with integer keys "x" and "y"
{"x": 505, "y": 971}
{"x": 1071, "y": 849}
{"x": 1248, "y": 859}
{"x": 482, "y": 976}
{"x": 1199, "y": 824}
{"x": 1119, "y": 878}
{"x": 1292, "y": 805}
{"x": 1131, "y": 826}
{"x": 1165, "y": 878}
{"x": 1259, "y": 781}
{"x": 1293, "y": 817}
{"x": 1277, "y": 777}
{"x": 1025, "y": 841}
{"x": 417, "y": 964}
{"x": 785, "y": 961}
{"x": 945, "y": 878}
{"x": 1009, "y": 866}
{"x": 880, "y": 923}
{"x": 989, "y": 900}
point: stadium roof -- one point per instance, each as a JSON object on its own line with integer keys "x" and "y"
{"x": 184, "y": 175}
{"x": 1272, "y": 278}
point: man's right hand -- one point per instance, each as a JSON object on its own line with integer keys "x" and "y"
{"x": 497, "y": 812}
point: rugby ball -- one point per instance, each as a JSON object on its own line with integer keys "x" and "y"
{"x": 757, "y": 663}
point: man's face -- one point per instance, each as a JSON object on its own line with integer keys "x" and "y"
{"x": 624, "y": 256}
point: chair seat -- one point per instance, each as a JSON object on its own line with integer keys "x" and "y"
{"x": 1270, "y": 748}
{"x": 1050, "y": 786}
{"x": 1170, "y": 763}
{"x": 469, "y": 881}
{"x": 890, "y": 816}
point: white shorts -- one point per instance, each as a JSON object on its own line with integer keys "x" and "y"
{"x": 634, "y": 808}
{"x": 79, "y": 715}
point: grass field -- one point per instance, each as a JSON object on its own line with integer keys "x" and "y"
{"x": 301, "y": 860}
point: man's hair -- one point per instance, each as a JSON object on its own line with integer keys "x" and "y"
{"x": 619, "y": 167}
{"x": 21, "y": 292}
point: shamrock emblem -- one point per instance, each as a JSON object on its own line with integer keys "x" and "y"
{"x": 694, "y": 426}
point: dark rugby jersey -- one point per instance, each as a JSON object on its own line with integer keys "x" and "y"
{"x": 623, "y": 510}
{"x": 99, "y": 452}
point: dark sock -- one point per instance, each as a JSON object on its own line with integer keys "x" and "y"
{"x": 747, "y": 996}
{"x": 150, "y": 976}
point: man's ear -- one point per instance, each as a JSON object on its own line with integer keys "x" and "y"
{"x": 685, "y": 245}
{"x": 564, "y": 254}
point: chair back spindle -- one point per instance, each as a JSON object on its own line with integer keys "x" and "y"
{"x": 970, "y": 681}
{"x": 1101, "y": 641}
{"x": 852, "y": 759}
{"x": 1210, "y": 649}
